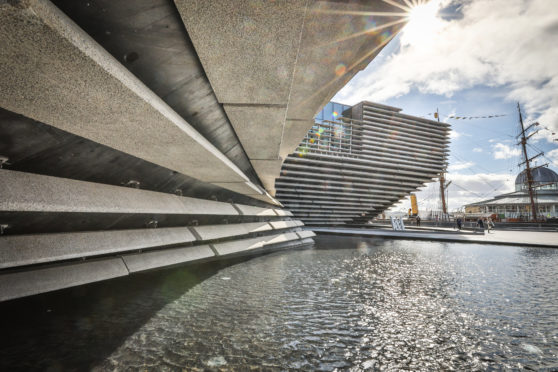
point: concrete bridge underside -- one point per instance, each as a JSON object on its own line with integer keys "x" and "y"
{"x": 127, "y": 127}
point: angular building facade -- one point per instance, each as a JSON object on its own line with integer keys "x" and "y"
{"x": 138, "y": 135}
{"x": 357, "y": 161}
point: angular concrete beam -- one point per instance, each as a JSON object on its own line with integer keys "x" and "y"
{"x": 167, "y": 257}
{"x": 338, "y": 39}
{"x": 27, "y": 283}
{"x": 306, "y": 234}
{"x": 211, "y": 232}
{"x": 259, "y": 128}
{"x": 284, "y": 224}
{"x": 253, "y": 243}
{"x": 27, "y": 192}
{"x": 268, "y": 171}
{"x": 53, "y": 72}
{"x": 20, "y": 250}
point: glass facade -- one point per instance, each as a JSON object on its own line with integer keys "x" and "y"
{"x": 329, "y": 134}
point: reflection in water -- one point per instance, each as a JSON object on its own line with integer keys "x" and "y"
{"x": 392, "y": 304}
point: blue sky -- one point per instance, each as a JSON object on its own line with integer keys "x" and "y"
{"x": 479, "y": 59}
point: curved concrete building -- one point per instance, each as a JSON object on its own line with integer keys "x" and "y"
{"x": 136, "y": 135}
{"x": 358, "y": 161}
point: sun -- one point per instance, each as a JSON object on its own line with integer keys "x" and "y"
{"x": 423, "y": 21}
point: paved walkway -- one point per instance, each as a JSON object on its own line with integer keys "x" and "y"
{"x": 527, "y": 238}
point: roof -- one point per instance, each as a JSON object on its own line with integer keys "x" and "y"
{"x": 519, "y": 199}
{"x": 540, "y": 175}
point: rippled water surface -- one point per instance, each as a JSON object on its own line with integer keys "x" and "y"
{"x": 357, "y": 304}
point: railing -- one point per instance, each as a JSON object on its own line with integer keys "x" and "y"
{"x": 329, "y": 138}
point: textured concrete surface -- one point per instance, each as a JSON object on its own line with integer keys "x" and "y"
{"x": 259, "y": 129}
{"x": 167, "y": 257}
{"x": 268, "y": 170}
{"x": 516, "y": 238}
{"x": 253, "y": 243}
{"x": 305, "y": 234}
{"x": 19, "y": 250}
{"x": 336, "y": 45}
{"x": 166, "y": 62}
{"x": 283, "y": 212}
{"x": 211, "y": 232}
{"x": 284, "y": 224}
{"x": 245, "y": 188}
{"x": 248, "y": 210}
{"x": 248, "y": 48}
{"x": 27, "y": 283}
{"x": 82, "y": 89}
{"x": 25, "y": 192}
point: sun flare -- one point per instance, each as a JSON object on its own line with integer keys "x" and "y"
{"x": 423, "y": 21}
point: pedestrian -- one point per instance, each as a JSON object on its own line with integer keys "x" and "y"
{"x": 458, "y": 221}
{"x": 418, "y": 220}
{"x": 489, "y": 224}
{"x": 480, "y": 224}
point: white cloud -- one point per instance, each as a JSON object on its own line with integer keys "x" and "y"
{"x": 509, "y": 43}
{"x": 464, "y": 189}
{"x": 553, "y": 156}
{"x": 460, "y": 165}
{"x": 477, "y": 149}
{"x": 454, "y": 134}
{"x": 501, "y": 151}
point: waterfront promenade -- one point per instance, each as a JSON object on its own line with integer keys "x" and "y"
{"x": 517, "y": 238}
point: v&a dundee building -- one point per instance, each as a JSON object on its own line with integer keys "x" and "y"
{"x": 358, "y": 161}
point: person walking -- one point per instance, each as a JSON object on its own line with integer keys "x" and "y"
{"x": 489, "y": 224}
{"x": 458, "y": 222}
{"x": 418, "y": 220}
{"x": 480, "y": 224}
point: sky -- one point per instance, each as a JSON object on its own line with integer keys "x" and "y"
{"x": 473, "y": 58}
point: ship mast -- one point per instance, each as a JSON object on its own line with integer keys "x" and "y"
{"x": 443, "y": 185}
{"x": 527, "y": 162}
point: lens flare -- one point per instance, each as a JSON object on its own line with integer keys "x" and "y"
{"x": 340, "y": 69}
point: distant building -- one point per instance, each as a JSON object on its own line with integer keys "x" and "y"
{"x": 517, "y": 205}
{"x": 358, "y": 161}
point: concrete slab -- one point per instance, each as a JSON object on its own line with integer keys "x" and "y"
{"x": 26, "y": 192}
{"x": 19, "y": 250}
{"x": 334, "y": 48}
{"x": 515, "y": 238}
{"x": 305, "y": 234}
{"x": 283, "y": 212}
{"x": 224, "y": 231}
{"x": 247, "y": 48}
{"x": 27, "y": 283}
{"x": 283, "y": 224}
{"x": 268, "y": 171}
{"x": 167, "y": 257}
{"x": 253, "y": 243}
{"x": 239, "y": 245}
{"x": 266, "y": 198}
{"x": 248, "y": 210}
{"x": 245, "y": 188}
{"x": 259, "y": 128}
{"x": 281, "y": 238}
{"x": 92, "y": 95}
